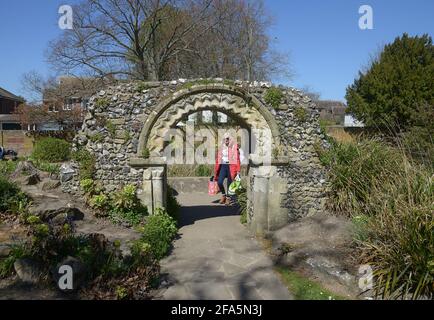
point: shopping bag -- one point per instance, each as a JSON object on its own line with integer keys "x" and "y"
{"x": 213, "y": 187}
{"x": 235, "y": 186}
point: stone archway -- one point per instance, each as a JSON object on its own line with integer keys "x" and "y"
{"x": 133, "y": 117}
{"x": 232, "y": 100}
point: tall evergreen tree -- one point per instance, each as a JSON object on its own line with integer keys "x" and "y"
{"x": 398, "y": 87}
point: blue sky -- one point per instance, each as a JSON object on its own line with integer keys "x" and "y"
{"x": 327, "y": 47}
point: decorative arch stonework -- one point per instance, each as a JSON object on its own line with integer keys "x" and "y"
{"x": 232, "y": 101}
{"x": 124, "y": 120}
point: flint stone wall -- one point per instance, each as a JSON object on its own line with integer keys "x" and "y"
{"x": 113, "y": 131}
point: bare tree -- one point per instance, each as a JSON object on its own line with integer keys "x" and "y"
{"x": 164, "y": 39}
{"x": 128, "y": 38}
{"x": 311, "y": 93}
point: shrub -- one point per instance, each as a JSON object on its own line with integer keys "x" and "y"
{"x": 99, "y": 202}
{"x": 102, "y": 102}
{"x": 173, "y": 205}
{"x": 390, "y": 197}
{"x": 86, "y": 162}
{"x": 242, "y": 203}
{"x": 203, "y": 170}
{"x": 46, "y": 166}
{"x": 111, "y": 128}
{"x": 7, "y": 264}
{"x": 355, "y": 169}
{"x": 125, "y": 199}
{"x": 274, "y": 97}
{"x": 97, "y": 137}
{"x": 52, "y": 150}
{"x": 159, "y": 231}
{"x": 11, "y": 197}
{"x": 127, "y": 207}
{"x": 87, "y": 185}
{"x": 146, "y": 154}
{"x": 7, "y": 167}
{"x": 300, "y": 114}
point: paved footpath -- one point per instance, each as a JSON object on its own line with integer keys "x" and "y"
{"x": 215, "y": 257}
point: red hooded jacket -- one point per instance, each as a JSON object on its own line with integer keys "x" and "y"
{"x": 234, "y": 160}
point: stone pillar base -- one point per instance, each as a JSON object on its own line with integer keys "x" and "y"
{"x": 154, "y": 192}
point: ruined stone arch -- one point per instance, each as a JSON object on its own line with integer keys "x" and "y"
{"x": 125, "y": 119}
{"x": 235, "y": 102}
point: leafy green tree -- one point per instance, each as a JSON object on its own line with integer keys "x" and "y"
{"x": 399, "y": 85}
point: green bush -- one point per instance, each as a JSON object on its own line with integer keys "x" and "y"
{"x": 127, "y": 207}
{"x": 159, "y": 232}
{"x": 204, "y": 170}
{"x": 242, "y": 203}
{"x": 99, "y": 202}
{"x": 390, "y": 199}
{"x": 111, "y": 128}
{"x": 146, "y": 153}
{"x": 102, "y": 102}
{"x": 274, "y": 97}
{"x": 46, "y": 166}
{"x": 87, "y": 185}
{"x": 7, "y": 167}
{"x": 11, "y": 197}
{"x": 125, "y": 199}
{"x": 173, "y": 205}
{"x": 301, "y": 114}
{"x": 7, "y": 264}
{"x": 355, "y": 169}
{"x": 86, "y": 161}
{"x": 51, "y": 150}
{"x": 97, "y": 137}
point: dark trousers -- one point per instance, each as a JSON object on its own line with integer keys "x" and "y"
{"x": 225, "y": 172}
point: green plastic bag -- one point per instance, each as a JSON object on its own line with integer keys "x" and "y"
{"x": 235, "y": 186}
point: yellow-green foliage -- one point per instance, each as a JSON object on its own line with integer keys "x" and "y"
{"x": 391, "y": 198}
{"x": 111, "y": 128}
{"x": 301, "y": 114}
{"x": 146, "y": 154}
{"x": 274, "y": 97}
{"x": 102, "y": 102}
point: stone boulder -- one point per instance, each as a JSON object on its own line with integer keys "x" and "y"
{"x": 79, "y": 273}
{"x": 50, "y": 185}
{"x": 29, "y": 180}
{"x": 24, "y": 168}
{"x": 26, "y": 174}
{"x": 70, "y": 214}
{"x": 28, "y": 271}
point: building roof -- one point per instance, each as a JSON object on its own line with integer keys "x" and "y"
{"x": 8, "y": 95}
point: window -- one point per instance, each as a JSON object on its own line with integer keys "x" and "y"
{"x": 11, "y": 126}
{"x": 53, "y": 108}
{"x": 84, "y": 103}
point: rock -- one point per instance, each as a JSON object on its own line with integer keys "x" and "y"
{"x": 50, "y": 185}
{"x": 71, "y": 214}
{"x": 331, "y": 268}
{"x": 98, "y": 241}
{"x": 66, "y": 172}
{"x": 28, "y": 271}
{"x": 24, "y": 168}
{"x": 5, "y": 249}
{"x": 79, "y": 273}
{"x": 29, "y": 180}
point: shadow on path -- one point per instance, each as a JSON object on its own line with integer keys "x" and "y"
{"x": 216, "y": 258}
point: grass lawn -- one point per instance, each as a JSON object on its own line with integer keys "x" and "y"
{"x": 303, "y": 288}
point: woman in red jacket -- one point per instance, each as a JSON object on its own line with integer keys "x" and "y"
{"x": 227, "y": 166}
